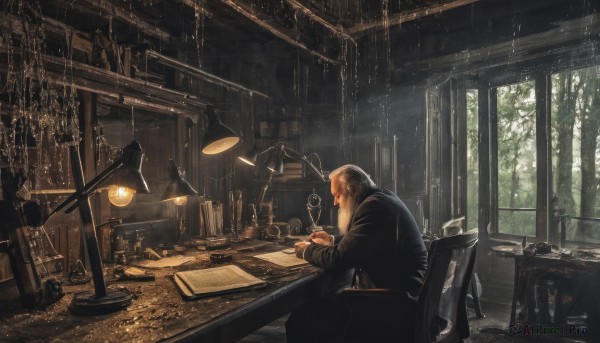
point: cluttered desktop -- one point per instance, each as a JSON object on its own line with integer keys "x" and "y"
{"x": 215, "y": 287}
{"x": 180, "y": 293}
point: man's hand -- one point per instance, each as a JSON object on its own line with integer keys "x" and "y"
{"x": 321, "y": 237}
{"x": 300, "y": 247}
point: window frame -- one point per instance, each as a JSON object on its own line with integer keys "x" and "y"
{"x": 487, "y": 84}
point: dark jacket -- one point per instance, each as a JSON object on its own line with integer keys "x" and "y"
{"x": 383, "y": 240}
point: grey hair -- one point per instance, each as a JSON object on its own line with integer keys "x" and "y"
{"x": 353, "y": 179}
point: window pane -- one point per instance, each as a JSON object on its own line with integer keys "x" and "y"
{"x": 472, "y": 160}
{"x": 516, "y": 158}
{"x": 575, "y": 149}
{"x": 521, "y": 223}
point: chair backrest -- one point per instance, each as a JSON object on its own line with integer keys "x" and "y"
{"x": 453, "y": 227}
{"x": 441, "y": 311}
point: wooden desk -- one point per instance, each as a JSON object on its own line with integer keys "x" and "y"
{"x": 567, "y": 274}
{"x": 159, "y": 313}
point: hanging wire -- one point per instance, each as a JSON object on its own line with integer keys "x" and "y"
{"x": 132, "y": 124}
{"x": 314, "y": 155}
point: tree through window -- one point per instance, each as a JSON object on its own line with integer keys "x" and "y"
{"x": 575, "y": 150}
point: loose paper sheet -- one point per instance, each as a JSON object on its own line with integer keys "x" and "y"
{"x": 280, "y": 258}
{"x": 164, "y": 262}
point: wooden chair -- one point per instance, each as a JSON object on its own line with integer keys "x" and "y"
{"x": 440, "y": 308}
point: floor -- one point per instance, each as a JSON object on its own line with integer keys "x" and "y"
{"x": 493, "y": 328}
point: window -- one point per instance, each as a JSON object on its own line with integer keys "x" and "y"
{"x": 516, "y": 135}
{"x": 531, "y": 152}
{"x": 541, "y": 157}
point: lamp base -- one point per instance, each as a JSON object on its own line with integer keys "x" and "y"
{"x": 88, "y": 304}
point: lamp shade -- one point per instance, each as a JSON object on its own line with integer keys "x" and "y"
{"x": 249, "y": 157}
{"x": 275, "y": 163}
{"x": 178, "y": 187}
{"x": 130, "y": 173}
{"x": 218, "y": 137}
{"x": 127, "y": 180}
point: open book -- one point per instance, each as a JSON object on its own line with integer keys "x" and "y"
{"x": 211, "y": 281}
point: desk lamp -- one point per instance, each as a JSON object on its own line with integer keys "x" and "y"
{"x": 275, "y": 161}
{"x": 249, "y": 157}
{"x": 218, "y": 137}
{"x": 275, "y": 164}
{"x": 125, "y": 171}
{"x": 178, "y": 191}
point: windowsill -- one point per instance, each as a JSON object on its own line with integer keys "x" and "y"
{"x": 506, "y": 239}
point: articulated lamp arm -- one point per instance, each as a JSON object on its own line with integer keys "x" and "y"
{"x": 298, "y": 156}
{"x": 282, "y": 151}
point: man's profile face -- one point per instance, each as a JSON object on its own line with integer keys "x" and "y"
{"x": 347, "y": 204}
{"x": 340, "y": 196}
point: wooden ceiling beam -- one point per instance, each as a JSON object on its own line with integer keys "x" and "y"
{"x": 120, "y": 88}
{"x": 108, "y": 10}
{"x": 314, "y": 17}
{"x": 200, "y": 74}
{"x": 252, "y": 16}
{"x": 565, "y": 38}
{"x": 196, "y": 6}
{"x": 406, "y": 16}
{"x": 128, "y": 91}
{"x": 74, "y": 39}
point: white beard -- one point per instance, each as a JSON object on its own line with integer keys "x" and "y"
{"x": 345, "y": 215}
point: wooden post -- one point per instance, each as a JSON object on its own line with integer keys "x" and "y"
{"x": 460, "y": 137}
{"x": 87, "y": 141}
{"x": 544, "y": 166}
{"x": 483, "y": 142}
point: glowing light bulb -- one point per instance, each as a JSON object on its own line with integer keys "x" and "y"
{"x": 180, "y": 200}
{"x": 120, "y": 196}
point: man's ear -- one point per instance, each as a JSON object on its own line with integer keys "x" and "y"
{"x": 352, "y": 191}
